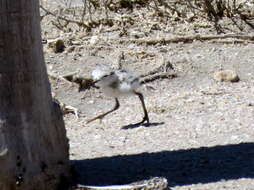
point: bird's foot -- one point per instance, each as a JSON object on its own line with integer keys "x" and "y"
{"x": 145, "y": 120}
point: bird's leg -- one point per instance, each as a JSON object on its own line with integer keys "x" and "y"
{"x": 117, "y": 105}
{"x": 141, "y": 97}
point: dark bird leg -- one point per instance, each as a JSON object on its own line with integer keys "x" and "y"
{"x": 146, "y": 118}
{"x": 117, "y": 105}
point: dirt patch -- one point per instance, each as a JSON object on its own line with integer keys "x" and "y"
{"x": 201, "y": 136}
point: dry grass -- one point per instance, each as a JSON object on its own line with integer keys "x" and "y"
{"x": 116, "y": 11}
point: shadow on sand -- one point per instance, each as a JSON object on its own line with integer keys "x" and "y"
{"x": 181, "y": 167}
{"x": 132, "y": 126}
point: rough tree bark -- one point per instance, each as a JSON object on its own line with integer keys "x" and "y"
{"x": 33, "y": 143}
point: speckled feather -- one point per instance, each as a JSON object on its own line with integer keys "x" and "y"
{"x": 115, "y": 83}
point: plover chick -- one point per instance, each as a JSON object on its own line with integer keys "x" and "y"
{"x": 116, "y": 83}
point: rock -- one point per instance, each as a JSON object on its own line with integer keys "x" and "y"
{"x": 94, "y": 40}
{"x": 56, "y": 45}
{"x": 70, "y": 49}
{"x": 226, "y": 76}
{"x": 137, "y": 34}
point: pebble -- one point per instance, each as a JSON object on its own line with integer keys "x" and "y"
{"x": 56, "y": 45}
{"x": 94, "y": 40}
{"x": 226, "y": 76}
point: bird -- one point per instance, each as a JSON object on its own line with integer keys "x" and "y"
{"x": 116, "y": 83}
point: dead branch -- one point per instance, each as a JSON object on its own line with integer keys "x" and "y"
{"x": 69, "y": 109}
{"x": 79, "y": 23}
{"x": 158, "y": 76}
{"x": 152, "y": 184}
{"x": 74, "y": 77}
{"x": 163, "y": 68}
{"x": 90, "y": 24}
{"x": 66, "y": 108}
{"x": 231, "y": 41}
{"x": 64, "y": 77}
{"x": 186, "y": 39}
{"x": 164, "y": 71}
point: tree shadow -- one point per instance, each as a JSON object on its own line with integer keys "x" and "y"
{"x": 132, "y": 126}
{"x": 180, "y": 167}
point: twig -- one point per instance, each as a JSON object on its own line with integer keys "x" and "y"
{"x": 69, "y": 109}
{"x": 231, "y": 41}
{"x": 158, "y": 76}
{"x": 163, "y": 68}
{"x": 73, "y": 77}
{"x": 156, "y": 183}
{"x": 66, "y": 108}
{"x": 164, "y": 71}
{"x": 64, "y": 77}
{"x": 65, "y": 19}
{"x": 185, "y": 39}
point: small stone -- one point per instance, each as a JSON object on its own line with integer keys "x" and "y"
{"x": 137, "y": 34}
{"x": 91, "y": 102}
{"x": 56, "y": 45}
{"x": 76, "y": 43}
{"x": 3, "y": 152}
{"x": 94, "y": 40}
{"x": 226, "y": 76}
{"x": 70, "y": 49}
{"x": 50, "y": 67}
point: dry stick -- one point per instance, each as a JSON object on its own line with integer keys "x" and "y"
{"x": 230, "y": 41}
{"x": 65, "y": 19}
{"x": 156, "y": 183}
{"x": 69, "y": 109}
{"x": 72, "y": 77}
{"x": 66, "y": 108}
{"x": 80, "y": 23}
{"x": 62, "y": 77}
{"x": 158, "y": 76}
{"x": 150, "y": 41}
{"x": 164, "y": 71}
{"x": 163, "y": 68}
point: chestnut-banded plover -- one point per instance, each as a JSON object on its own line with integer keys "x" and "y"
{"x": 116, "y": 83}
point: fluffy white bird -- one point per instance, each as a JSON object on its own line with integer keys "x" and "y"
{"x": 115, "y": 83}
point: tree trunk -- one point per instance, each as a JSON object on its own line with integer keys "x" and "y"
{"x": 33, "y": 143}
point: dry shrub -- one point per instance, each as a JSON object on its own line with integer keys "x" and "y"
{"x": 213, "y": 10}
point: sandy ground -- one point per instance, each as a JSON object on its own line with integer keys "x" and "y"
{"x": 201, "y": 133}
